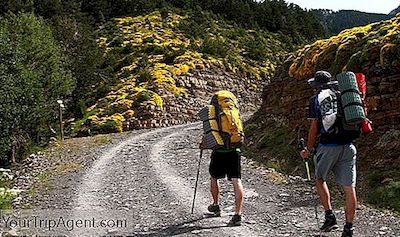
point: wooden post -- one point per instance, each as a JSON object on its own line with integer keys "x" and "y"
{"x": 61, "y": 124}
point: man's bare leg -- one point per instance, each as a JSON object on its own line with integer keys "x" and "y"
{"x": 239, "y": 193}
{"x": 214, "y": 190}
{"x": 324, "y": 194}
{"x": 351, "y": 203}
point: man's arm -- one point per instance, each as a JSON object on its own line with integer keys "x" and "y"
{"x": 312, "y": 134}
{"x": 312, "y": 116}
{"x": 312, "y": 138}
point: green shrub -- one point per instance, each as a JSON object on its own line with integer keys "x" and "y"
{"x": 143, "y": 97}
{"x": 144, "y": 76}
{"x": 6, "y": 199}
{"x": 214, "y": 47}
{"x": 170, "y": 56}
{"x": 386, "y": 195}
{"x": 109, "y": 126}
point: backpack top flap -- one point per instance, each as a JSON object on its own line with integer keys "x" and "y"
{"x": 226, "y": 99}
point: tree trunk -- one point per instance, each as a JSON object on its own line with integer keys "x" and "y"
{"x": 13, "y": 155}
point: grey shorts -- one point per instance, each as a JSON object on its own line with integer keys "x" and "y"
{"x": 341, "y": 159}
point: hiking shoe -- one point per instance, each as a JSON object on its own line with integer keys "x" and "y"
{"x": 347, "y": 232}
{"x": 235, "y": 221}
{"x": 214, "y": 208}
{"x": 329, "y": 224}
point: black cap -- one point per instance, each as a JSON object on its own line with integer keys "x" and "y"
{"x": 320, "y": 78}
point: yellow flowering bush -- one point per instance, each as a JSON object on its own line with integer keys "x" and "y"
{"x": 350, "y": 50}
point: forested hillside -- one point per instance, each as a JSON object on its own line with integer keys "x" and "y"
{"x": 336, "y": 21}
{"x": 394, "y": 12}
{"x": 33, "y": 76}
{"x": 77, "y": 51}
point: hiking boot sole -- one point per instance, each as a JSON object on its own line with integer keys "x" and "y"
{"x": 334, "y": 227}
{"x": 217, "y": 214}
{"x": 213, "y": 214}
{"x": 231, "y": 224}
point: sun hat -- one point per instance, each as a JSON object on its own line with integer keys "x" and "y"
{"x": 320, "y": 78}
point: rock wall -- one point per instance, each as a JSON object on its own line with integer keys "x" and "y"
{"x": 199, "y": 85}
{"x": 288, "y": 98}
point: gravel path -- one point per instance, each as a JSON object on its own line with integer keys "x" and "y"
{"x": 147, "y": 180}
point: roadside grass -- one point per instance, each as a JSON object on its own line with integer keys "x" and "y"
{"x": 6, "y": 195}
{"x": 6, "y": 199}
{"x": 386, "y": 193}
{"x": 102, "y": 139}
{"x": 270, "y": 142}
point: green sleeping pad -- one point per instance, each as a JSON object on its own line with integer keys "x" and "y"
{"x": 351, "y": 98}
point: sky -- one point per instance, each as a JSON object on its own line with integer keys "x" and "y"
{"x": 374, "y": 6}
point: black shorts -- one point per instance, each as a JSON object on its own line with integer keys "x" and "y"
{"x": 224, "y": 164}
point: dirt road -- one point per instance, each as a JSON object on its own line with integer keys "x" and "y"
{"x": 146, "y": 183}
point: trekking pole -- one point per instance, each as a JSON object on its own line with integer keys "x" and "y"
{"x": 302, "y": 146}
{"x": 197, "y": 179}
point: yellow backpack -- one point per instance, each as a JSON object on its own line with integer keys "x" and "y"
{"x": 222, "y": 125}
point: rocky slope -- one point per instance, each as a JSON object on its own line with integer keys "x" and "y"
{"x": 166, "y": 66}
{"x": 200, "y": 85}
{"x": 373, "y": 50}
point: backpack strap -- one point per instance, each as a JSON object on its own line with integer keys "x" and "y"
{"x": 316, "y": 107}
{"x": 353, "y": 103}
{"x": 214, "y": 101}
{"x": 352, "y": 90}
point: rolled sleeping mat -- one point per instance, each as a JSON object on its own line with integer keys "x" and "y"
{"x": 351, "y": 98}
{"x": 354, "y": 114}
{"x": 203, "y": 113}
{"x": 210, "y": 128}
{"x": 347, "y": 81}
{"x": 213, "y": 140}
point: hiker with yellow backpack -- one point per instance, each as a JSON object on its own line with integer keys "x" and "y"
{"x": 223, "y": 134}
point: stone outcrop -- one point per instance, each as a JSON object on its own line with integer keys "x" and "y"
{"x": 199, "y": 85}
{"x": 287, "y": 97}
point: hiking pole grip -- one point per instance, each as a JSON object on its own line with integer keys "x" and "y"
{"x": 302, "y": 146}
{"x": 197, "y": 180}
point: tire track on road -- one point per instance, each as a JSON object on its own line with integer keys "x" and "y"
{"x": 149, "y": 179}
{"x": 183, "y": 189}
{"x": 91, "y": 200}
